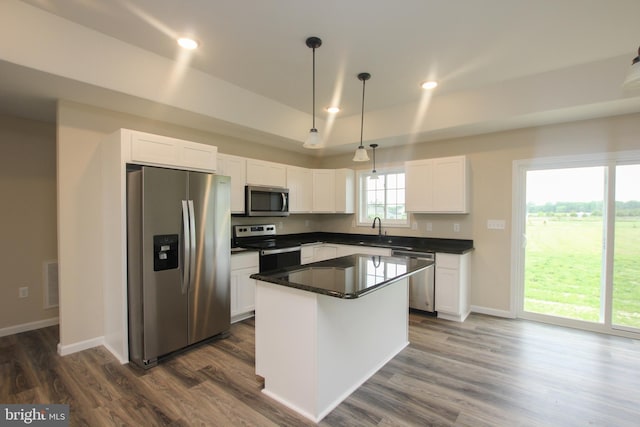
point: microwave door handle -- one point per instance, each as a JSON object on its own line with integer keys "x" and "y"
{"x": 192, "y": 246}
{"x": 284, "y": 202}
{"x": 186, "y": 245}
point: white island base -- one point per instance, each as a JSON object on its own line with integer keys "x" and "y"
{"x": 314, "y": 350}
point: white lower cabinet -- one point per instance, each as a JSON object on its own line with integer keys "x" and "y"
{"x": 243, "y": 287}
{"x": 322, "y": 252}
{"x": 306, "y": 253}
{"x": 344, "y": 250}
{"x": 452, "y": 286}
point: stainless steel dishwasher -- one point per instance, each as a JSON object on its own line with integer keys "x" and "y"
{"x": 421, "y": 285}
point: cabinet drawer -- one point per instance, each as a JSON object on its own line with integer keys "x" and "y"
{"x": 244, "y": 260}
{"x": 447, "y": 261}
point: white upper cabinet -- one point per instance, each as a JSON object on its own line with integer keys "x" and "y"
{"x": 236, "y": 168}
{"x": 437, "y": 185}
{"x": 160, "y": 150}
{"x": 333, "y": 191}
{"x": 271, "y": 174}
{"x": 324, "y": 197}
{"x": 345, "y": 191}
{"x": 300, "y": 185}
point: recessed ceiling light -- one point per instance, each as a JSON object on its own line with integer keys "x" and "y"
{"x": 333, "y": 110}
{"x": 187, "y": 43}
{"x": 429, "y": 85}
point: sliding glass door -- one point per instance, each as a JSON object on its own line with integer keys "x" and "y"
{"x": 564, "y": 250}
{"x": 577, "y": 242}
{"x": 626, "y": 261}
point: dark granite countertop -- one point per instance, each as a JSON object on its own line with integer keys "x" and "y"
{"x": 417, "y": 244}
{"x": 346, "y": 277}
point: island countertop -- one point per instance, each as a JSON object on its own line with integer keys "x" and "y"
{"x": 345, "y": 277}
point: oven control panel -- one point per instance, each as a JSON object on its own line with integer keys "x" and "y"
{"x": 254, "y": 230}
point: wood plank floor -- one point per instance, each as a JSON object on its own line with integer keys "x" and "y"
{"x": 483, "y": 372}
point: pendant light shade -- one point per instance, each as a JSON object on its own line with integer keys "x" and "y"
{"x": 313, "y": 140}
{"x": 633, "y": 77}
{"x": 361, "y": 153}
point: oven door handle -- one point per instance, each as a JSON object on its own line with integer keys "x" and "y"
{"x": 264, "y": 252}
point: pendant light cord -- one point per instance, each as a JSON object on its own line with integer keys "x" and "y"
{"x": 313, "y": 96}
{"x": 362, "y": 114}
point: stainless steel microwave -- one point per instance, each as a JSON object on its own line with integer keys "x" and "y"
{"x": 266, "y": 201}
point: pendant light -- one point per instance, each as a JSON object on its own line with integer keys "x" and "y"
{"x": 374, "y": 171}
{"x": 313, "y": 140}
{"x": 361, "y": 153}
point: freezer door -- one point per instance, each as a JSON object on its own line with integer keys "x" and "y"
{"x": 165, "y": 299}
{"x": 209, "y": 300}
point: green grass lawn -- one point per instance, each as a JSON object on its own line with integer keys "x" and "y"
{"x": 563, "y": 268}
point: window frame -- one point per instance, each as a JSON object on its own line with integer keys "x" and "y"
{"x": 361, "y": 177}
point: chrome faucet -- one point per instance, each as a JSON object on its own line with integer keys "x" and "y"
{"x": 379, "y": 226}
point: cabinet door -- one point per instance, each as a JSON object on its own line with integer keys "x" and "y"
{"x": 345, "y": 191}
{"x": 322, "y": 252}
{"x": 419, "y": 186}
{"x": 306, "y": 254}
{"x": 266, "y": 173}
{"x": 344, "y": 250}
{"x": 154, "y": 149}
{"x": 246, "y": 291}
{"x": 450, "y": 184}
{"x": 198, "y": 156}
{"x": 300, "y": 185}
{"x": 447, "y": 290}
{"x": 236, "y": 168}
{"x": 324, "y": 200}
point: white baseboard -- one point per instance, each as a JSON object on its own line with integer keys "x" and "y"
{"x": 64, "y": 350}
{"x": 11, "y": 330}
{"x": 123, "y": 360}
{"x": 493, "y": 312}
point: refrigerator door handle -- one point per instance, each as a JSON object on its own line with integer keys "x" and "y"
{"x": 192, "y": 246}
{"x": 186, "y": 246}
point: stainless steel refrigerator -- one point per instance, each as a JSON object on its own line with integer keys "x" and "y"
{"x": 178, "y": 241}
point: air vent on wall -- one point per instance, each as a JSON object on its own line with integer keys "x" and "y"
{"x": 50, "y": 284}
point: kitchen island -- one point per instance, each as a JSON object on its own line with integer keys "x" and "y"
{"x": 323, "y": 329}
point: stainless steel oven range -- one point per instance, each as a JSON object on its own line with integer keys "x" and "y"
{"x": 275, "y": 253}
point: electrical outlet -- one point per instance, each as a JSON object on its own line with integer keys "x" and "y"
{"x": 429, "y": 226}
{"x": 280, "y": 225}
{"x": 414, "y": 225}
{"x": 23, "y": 292}
{"x": 306, "y": 222}
{"x": 456, "y": 228}
{"x": 496, "y": 224}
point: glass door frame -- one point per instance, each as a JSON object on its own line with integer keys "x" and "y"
{"x": 518, "y": 237}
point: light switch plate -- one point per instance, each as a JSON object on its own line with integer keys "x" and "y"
{"x": 496, "y": 224}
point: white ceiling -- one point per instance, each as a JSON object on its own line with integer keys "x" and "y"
{"x": 472, "y": 47}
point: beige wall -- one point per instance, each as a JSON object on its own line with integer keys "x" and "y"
{"x": 27, "y": 217}
{"x": 491, "y": 157}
